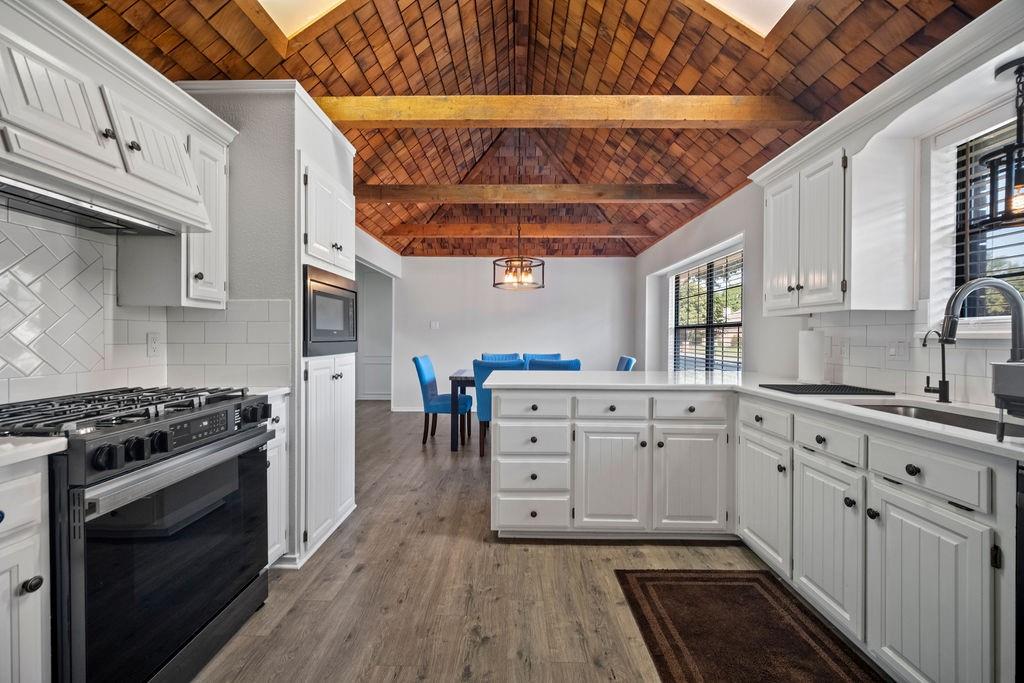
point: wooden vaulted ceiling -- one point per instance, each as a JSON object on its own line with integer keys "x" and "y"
{"x": 823, "y": 55}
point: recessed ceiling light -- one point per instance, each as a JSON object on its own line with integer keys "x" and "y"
{"x": 759, "y": 15}
{"x": 291, "y": 16}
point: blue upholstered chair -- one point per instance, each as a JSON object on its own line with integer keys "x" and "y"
{"x": 482, "y": 369}
{"x": 540, "y": 356}
{"x": 626, "y": 363}
{"x": 434, "y": 403}
{"x": 499, "y": 356}
{"x": 542, "y": 364}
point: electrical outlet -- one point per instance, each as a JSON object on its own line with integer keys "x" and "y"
{"x": 897, "y": 350}
{"x": 152, "y": 344}
{"x": 844, "y": 349}
{"x": 435, "y": 324}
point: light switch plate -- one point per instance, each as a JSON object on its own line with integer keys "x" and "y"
{"x": 435, "y": 324}
{"x": 152, "y": 344}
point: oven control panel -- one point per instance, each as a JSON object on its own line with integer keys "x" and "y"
{"x": 199, "y": 429}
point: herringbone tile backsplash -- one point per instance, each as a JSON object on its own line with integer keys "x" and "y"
{"x": 61, "y": 330}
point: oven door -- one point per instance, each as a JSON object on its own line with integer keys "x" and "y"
{"x": 166, "y": 549}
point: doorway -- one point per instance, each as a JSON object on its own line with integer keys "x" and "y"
{"x": 375, "y": 334}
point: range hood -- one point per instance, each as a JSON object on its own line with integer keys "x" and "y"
{"x": 39, "y": 201}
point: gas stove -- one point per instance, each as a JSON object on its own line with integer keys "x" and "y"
{"x": 115, "y": 431}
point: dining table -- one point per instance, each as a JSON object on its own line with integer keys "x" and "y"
{"x": 460, "y": 379}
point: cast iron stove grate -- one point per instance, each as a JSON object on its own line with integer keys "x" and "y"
{"x": 830, "y": 389}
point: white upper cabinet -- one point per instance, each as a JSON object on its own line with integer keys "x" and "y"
{"x": 612, "y": 482}
{"x": 691, "y": 480}
{"x": 781, "y": 243}
{"x": 822, "y": 231}
{"x": 207, "y": 258}
{"x": 330, "y": 220}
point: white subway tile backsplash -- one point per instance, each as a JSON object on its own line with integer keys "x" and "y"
{"x": 226, "y": 376}
{"x": 203, "y": 315}
{"x": 272, "y": 333}
{"x": 204, "y": 354}
{"x": 186, "y": 333}
{"x": 249, "y": 354}
{"x": 255, "y": 310}
{"x": 279, "y": 354}
{"x": 279, "y": 310}
{"x": 28, "y": 388}
{"x": 224, "y": 332}
{"x": 866, "y": 356}
{"x": 269, "y": 375}
{"x": 152, "y": 376}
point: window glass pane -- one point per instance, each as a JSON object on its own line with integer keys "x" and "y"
{"x": 708, "y": 312}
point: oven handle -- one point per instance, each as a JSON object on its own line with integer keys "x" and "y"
{"x": 102, "y": 498}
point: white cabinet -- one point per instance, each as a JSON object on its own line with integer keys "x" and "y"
{"x": 612, "y": 476}
{"x": 764, "y": 505}
{"x": 828, "y": 539}
{"x": 781, "y": 244}
{"x": 691, "y": 479}
{"x": 822, "y": 231}
{"x": 330, "y": 444}
{"x": 278, "y": 465}
{"x": 930, "y": 594}
{"x": 330, "y": 220}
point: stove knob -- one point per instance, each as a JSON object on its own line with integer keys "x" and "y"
{"x": 108, "y": 457}
{"x": 264, "y": 411}
{"x": 159, "y": 442}
{"x": 137, "y": 448}
{"x": 251, "y": 414}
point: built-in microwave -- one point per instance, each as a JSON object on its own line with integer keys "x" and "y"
{"x": 329, "y": 313}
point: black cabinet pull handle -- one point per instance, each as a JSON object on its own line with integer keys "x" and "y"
{"x": 661, "y": 444}
{"x": 799, "y": 287}
{"x": 871, "y": 513}
{"x": 32, "y": 585}
{"x": 533, "y": 513}
{"x": 820, "y": 440}
{"x": 533, "y": 476}
{"x": 199, "y": 276}
{"x": 134, "y": 146}
{"x": 643, "y": 444}
{"x": 108, "y": 133}
{"x": 790, "y": 288}
{"x": 758, "y": 419}
{"x": 275, "y": 419}
{"x": 268, "y": 464}
{"x": 533, "y": 439}
{"x": 913, "y": 470}
{"x": 849, "y": 502}
{"x": 780, "y": 468}
{"x": 691, "y": 409}
{"x": 533, "y": 407}
{"x": 611, "y": 408}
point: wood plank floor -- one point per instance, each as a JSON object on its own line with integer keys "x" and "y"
{"x": 414, "y": 585}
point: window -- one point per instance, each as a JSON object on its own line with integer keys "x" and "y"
{"x": 707, "y": 303}
{"x": 993, "y": 252}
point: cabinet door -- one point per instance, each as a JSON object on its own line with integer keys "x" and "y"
{"x": 345, "y": 254}
{"x": 24, "y": 625}
{"x": 154, "y": 147}
{"x": 59, "y": 111}
{"x": 690, "y": 478}
{"x": 929, "y": 589}
{"x": 822, "y": 231}
{"x": 765, "y": 500}
{"x": 345, "y": 418}
{"x": 206, "y": 269}
{"x": 612, "y": 481}
{"x": 781, "y": 244}
{"x": 828, "y": 539}
{"x": 322, "y": 217}
{"x": 277, "y": 501}
{"x": 321, "y": 449}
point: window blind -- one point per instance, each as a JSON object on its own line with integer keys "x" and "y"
{"x": 707, "y": 324}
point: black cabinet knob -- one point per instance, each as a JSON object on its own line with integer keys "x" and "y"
{"x": 820, "y": 440}
{"x": 32, "y": 585}
{"x": 134, "y": 146}
{"x": 533, "y": 476}
{"x": 199, "y": 276}
{"x": 533, "y": 407}
{"x": 691, "y": 409}
{"x": 799, "y": 287}
{"x": 780, "y": 468}
{"x": 268, "y": 464}
{"x": 108, "y": 133}
{"x": 849, "y": 502}
{"x": 661, "y": 444}
{"x": 611, "y": 408}
{"x": 643, "y": 444}
{"x": 872, "y": 513}
{"x": 2, "y": 515}
{"x": 533, "y": 513}
{"x": 758, "y": 419}
{"x": 790, "y": 288}
{"x": 275, "y": 419}
{"x": 913, "y": 470}
{"x": 533, "y": 439}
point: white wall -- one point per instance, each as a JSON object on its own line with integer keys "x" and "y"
{"x": 586, "y": 310}
{"x": 373, "y": 252}
{"x": 769, "y": 344}
{"x": 373, "y": 359}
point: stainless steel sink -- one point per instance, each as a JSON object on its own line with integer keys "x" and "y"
{"x": 973, "y": 422}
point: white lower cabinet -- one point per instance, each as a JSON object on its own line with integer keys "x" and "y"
{"x": 930, "y": 593}
{"x": 612, "y": 476}
{"x": 828, "y": 539}
{"x": 277, "y": 501}
{"x": 764, "y": 507}
{"x": 690, "y": 479}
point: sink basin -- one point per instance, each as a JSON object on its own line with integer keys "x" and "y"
{"x": 973, "y": 422}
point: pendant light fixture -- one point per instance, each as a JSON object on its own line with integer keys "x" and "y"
{"x": 518, "y": 272}
{"x": 1006, "y": 164}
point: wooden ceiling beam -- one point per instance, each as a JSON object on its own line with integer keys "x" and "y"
{"x": 530, "y": 230}
{"x": 564, "y": 111}
{"x": 567, "y": 193}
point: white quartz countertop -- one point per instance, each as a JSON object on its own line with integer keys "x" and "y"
{"x": 749, "y": 384}
{"x": 14, "y": 449}
{"x": 271, "y": 391}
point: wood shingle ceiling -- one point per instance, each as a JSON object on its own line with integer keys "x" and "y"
{"x": 824, "y": 55}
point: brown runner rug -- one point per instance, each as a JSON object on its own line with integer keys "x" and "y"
{"x": 734, "y": 626}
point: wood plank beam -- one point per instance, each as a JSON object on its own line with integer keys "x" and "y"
{"x": 529, "y": 194}
{"x": 564, "y": 111}
{"x": 530, "y": 230}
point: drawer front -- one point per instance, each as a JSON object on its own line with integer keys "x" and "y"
{"x": 21, "y": 501}
{"x": 532, "y": 513}
{"x": 532, "y": 438}
{"x": 531, "y": 406}
{"x": 769, "y": 420}
{"x": 533, "y": 475}
{"x": 688, "y": 406}
{"x": 826, "y": 438}
{"x": 613, "y": 406}
{"x": 955, "y": 480}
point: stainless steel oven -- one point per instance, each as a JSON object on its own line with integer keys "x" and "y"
{"x": 329, "y": 313}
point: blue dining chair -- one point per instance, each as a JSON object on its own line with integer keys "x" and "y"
{"x": 434, "y": 403}
{"x": 566, "y": 364}
{"x": 626, "y": 363}
{"x": 540, "y": 356}
{"x": 482, "y": 369}
{"x": 499, "y": 356}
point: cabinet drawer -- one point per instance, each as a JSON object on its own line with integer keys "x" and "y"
{"x": 21, "y": 501}
{"x": 769, "y": 420}
{"x": 826, "y": 438}
{"x": 531, "y": 406}
{"x": 688, "y": 406}
{"x": 955, "y": 480}
{"x": 533, "y": 475}
{"x": 532, "y": 438}
{"x": 533, "y": 513}
{"x": 616, "y": 406}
